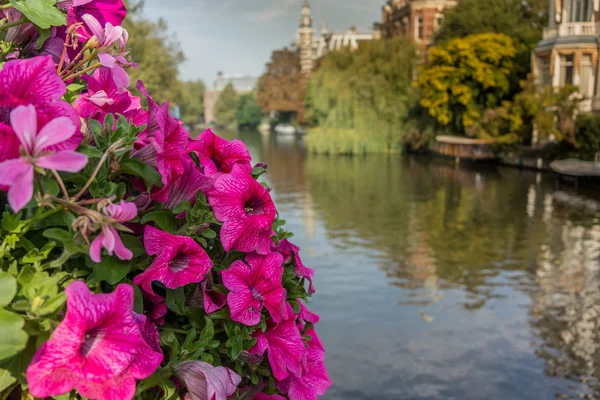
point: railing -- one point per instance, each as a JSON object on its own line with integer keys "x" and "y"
{"x": 572, "y": 29}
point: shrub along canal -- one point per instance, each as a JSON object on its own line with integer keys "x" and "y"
{"x": 437, "y": 282}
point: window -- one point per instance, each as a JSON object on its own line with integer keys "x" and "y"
{"x": 580, "y": 11}
{"x": 544, "y": 78}
{"x": 566, "y": 70}
{"x": 419, "y": 28}
{"x": 439, "y": 20}
{"x": 586, "y": 83}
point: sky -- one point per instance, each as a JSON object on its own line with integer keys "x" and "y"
{"x": 237, "y": 36}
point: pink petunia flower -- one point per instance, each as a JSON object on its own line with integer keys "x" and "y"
{"x": 103, "y": 97}
{"x": 185, "y": 187}
{"x": 284, "y": 346}
{"x": 219, "y": 155}
{"x": 105, "y": 11}
{"x": 109, "y": 237}
{"x": 206, "y": 297}
{"x": 205, "y": 382}
{"x": 34, "y": 81}
{"x": 263, "y": 396}
{"x": 98, "y": 348}
{"x": 305, "y": 315}
{"x": 246, "y": 210}
{"x": 162, "y": 145}
{"x": 254, "y": 284}
{"x": 315, "y": 381}
{"x": 155, "y": 308}
{"x": 18, "y": 35}
{"x": 287, "y": 249}
{"x": 180, "y": 261}
{"x": 18, "y": 173}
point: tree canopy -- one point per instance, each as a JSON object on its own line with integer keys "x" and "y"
{"x": 249, "y": 114}
{"x": 226, "y": 106}
{"x": 522, "y": 21}
{"x": 282, "y": 86}
{"x": 466, "y": 76}
{"x": 363, "y": 96}
{"x": 190, "y": 98}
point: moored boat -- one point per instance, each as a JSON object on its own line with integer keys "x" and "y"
{"x": 462, "y": 148}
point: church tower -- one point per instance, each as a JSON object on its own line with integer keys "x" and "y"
{"x": 305, "y": 39}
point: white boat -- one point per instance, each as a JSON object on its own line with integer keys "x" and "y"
{"x": 285, "y": 129}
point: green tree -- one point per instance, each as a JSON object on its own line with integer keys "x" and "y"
{"x": 157, "y": 52}
{"x": 464, "y": 77}
{"x": 360, "y": 99}
{"x": 282, "y": 86}
{"x": 226, "y": 106}
{"x": 522, "y": 21}
{"x": 190, "y": 98}
{"x": 249, "y": 114}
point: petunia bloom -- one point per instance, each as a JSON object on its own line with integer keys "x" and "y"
{"x": 284, "y": 346}
{"x": 105, "y": 11}
{"x": 97, "y": 328}
{"x": 315, "y": 381}
{"x": 219, "y": 155}
{"x": 246, "y": 210}
{"x": 263, "y": 396}
{"x": 18, "y": 173}
{"x": 206, "y": 297}
{"x": 289, "y": 251}
{"x": 109, "y": 237}
{"x": 162, "y": 145}
{"x": 205, "y": 382}
{"x": 34, "y": 81}
{"x": 185, "y": 187}
{"x": 179, "y": 261}
{"x": 103, "y": 97}
{"x": 305, "y": 315}
{"x": 254, "y": 284}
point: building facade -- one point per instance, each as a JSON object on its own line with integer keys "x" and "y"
{"x": 241, "y": 83}
{"x": 568, "y": 52}
{"x": 312, "y": 47}
{"x": 417, "y": 20}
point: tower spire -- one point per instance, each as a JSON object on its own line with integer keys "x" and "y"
{"x": 306, "y": 19}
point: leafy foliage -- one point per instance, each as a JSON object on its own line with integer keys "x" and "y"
{"x": 190, "y": 98}
{"x": 249, "y": 114}
{"x": 360, "y": 99}
{"x": 466, "y": 76}
{"x": 226, "y": 106}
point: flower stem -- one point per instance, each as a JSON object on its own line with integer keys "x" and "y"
{"x": 78, "y": 74}
{"x": 9, "y": 5}
{"x": 60, "y": 183}
{"x": 11, "y": 24}
{"x": 107, "y": 153}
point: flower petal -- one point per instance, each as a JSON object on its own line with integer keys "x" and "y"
{"x": 94, "y": 26}
{"x": 120, "y": 250}
{"x": 96, "y": 248}
{"x": 21, "y": 191}
{"x": 54, "y": 132}
{"x": 24, "y": 122}
{"x": 12, "y": 170}
{"x": 68, "y": 161}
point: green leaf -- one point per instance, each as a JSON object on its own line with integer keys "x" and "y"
{"x": 44, "y": 34}
{"x": 208, "y": 332}
{"x": 176, "y": 300}
{"x": 12, "y": 223}
{"x": 110, "y": 269}
{"x": 42, "y": 13}
{"x": 189, "y": 339}
{"x": 59, "y": 235}
{"x": 8, "y": 288}
{"x": 236, "y": 349}
{"x": 6, "y": 379}
{"x": 90, "y": 151}
{"x": 163, "y": 219}
{"x": 209, "y": 234}
{"x": 145, "y": 171}
{"x": 134, "y": 244}
{"x": 12, "y": 337}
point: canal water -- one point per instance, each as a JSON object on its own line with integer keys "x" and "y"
{"x": 437, "y": 282}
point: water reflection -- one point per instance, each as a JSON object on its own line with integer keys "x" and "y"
{"x": 437, "y": 282}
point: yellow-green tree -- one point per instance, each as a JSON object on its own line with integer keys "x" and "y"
{"x": 226, "y": 107}
{"x": 466, "y": 76}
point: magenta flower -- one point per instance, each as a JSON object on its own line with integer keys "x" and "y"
{"x": 246, "y": 210}
{"x": 287, "y": 249}
{"x": 103, "y": 97}
{"x": 254, "y": 284}
{"x": 34, "y": 82}
{"x": 185, "y": 187}
{"x": 205, "y": 382}
{"x": 18, "y": 173}
{"x": 212, "y": 301}
{"x": 284, "y": 346}
{"x": 109, "y": 237}
{"x": 149, "y": 331}
{"x": 315, "y": 381}
{"x": 155, "y": 308}
{"x": 98, "y": 348}
{"x": 219, "y": 155}
{"x": 105, "y": 11}
{"x": 180, "y": 261}
{"x": 263, "y": 396}
{"x": 305, "y": 315}
{"x": 21, "y": 34}
{"x": 163, "y": 144}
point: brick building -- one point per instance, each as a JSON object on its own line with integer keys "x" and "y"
{"x": 417, "y": 20}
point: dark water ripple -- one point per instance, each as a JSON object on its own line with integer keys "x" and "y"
{"x": 443, "y": 283}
